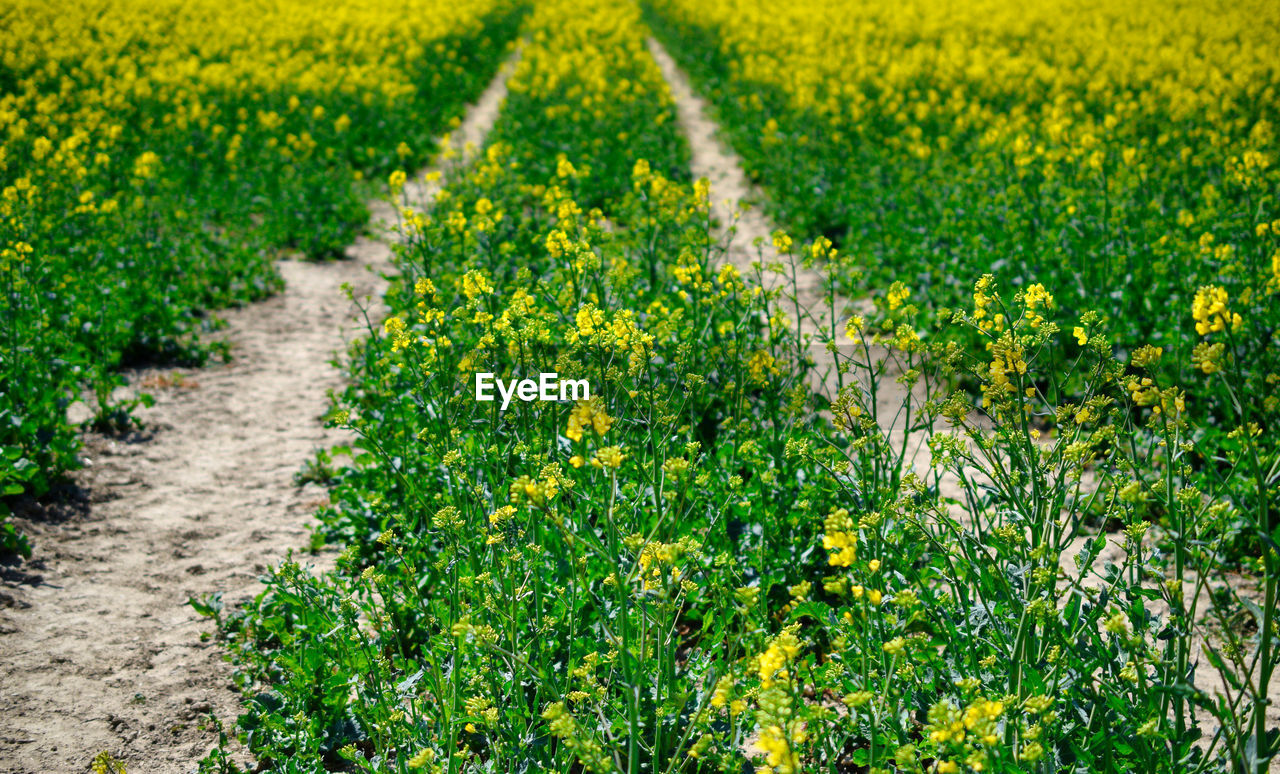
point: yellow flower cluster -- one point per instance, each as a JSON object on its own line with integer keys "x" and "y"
{"x": 983, "y": 300}
{"x": 841, "y": 538}
{"x": 779, "y": 754}
{"x": 588, "y": 414}
{"x": 82, "y": 67}
{"x": 658, "y": 559}
{"x": 1036, "y": 298}
{"x": 1209, "y": 309}
{"x": 1008, "y": 363}
{"x": 475, "y": 284}
{"x": 967, "y": 734}
{"x": 396, "y": 331}
{"x": 777, "y": 657}
{"x": 844, "y": 61}
{"x": 565, "y": 727}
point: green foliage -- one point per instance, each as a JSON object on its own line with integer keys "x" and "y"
{"x": 137, "y": 194}
{"x": 708, "y": 568}
{"x": 931, "y": 154}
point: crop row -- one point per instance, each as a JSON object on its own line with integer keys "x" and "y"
{"x": 704, "y": 567}
{"x": 1123, "y": 158}
{"x": 153, "y": 158}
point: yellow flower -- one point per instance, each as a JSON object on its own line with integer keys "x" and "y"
{"x": 781, "y": 242}
{"x": 773, "y": 662}
{"x": 396, "y": 330}
{"x": 845, "y": 546}
{"x": 588, "y": 414}
{"x": 720, "y": 696}
{"x": 144, "y": 167}
{"x": 1036, "y": 298}
{"x": 777, "y": 750}
{"x": 610, "y": 457}
{"x": 840, "y": 537}
{"x": 475, "y": 284}
{"x": 857, "y": 699}
{"x": 589, "y": 319}
{"x": 1146, "y": 355}
{"x": 760, "y": 365}
{"x": 1208, "y": 357}
{"x": 1209, "y": 309}
{"x": 640, "y": 172}
{"x": 422, "y": 758}
{"x": 897, "y": 294}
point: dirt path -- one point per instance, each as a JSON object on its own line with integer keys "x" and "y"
{"x": 102, "y": 654}
{"x": 98, "y": 650}
{"x": 803, "y": 288}
{"x": 713, "y": 159}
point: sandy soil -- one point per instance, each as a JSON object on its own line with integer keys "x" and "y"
{"x": 98, "y": 649}
{"x": 100, "y": 653}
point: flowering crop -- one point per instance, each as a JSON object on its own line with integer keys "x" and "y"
{"x": 154, "y": 154}
{"x": 553, "y": 584}
{"x": 704, "y": 567}
{"x": 999, "y": 547}
{"x": 1121, "y": 155}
